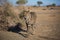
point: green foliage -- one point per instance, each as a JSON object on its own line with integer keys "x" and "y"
{"x": 21, "y": 2}
{"x": 53, "y": 4}
{"x": 39, "y": 2}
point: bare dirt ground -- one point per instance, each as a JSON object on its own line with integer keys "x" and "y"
{"x": 47, "y": 26}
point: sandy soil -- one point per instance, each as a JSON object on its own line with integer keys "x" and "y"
{"x": 47, "y": 26}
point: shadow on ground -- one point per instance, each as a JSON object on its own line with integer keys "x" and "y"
{"x": 17, "y": 29}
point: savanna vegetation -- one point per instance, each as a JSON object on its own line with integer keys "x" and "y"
{"x": 35, "y": 22}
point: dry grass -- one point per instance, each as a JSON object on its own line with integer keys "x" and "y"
{"x": 47, "y": 25}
